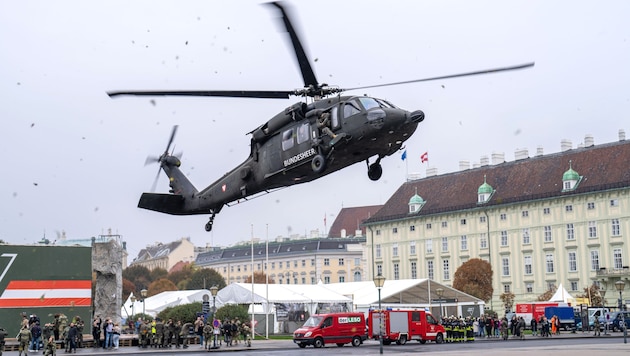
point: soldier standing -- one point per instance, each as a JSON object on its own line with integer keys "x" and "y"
{"x": 24, "y": 338}
{"x": 159, "y": 332}
{"x": 596, "y": 327}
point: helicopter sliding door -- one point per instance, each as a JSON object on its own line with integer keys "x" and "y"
{"x": 296, "y": 145}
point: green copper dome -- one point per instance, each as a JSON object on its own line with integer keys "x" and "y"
{"x": 416, "y": 200}
{"x": 485, "y": 188}
{"x": 570, "y": 175}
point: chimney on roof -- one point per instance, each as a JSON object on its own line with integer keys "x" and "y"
{"x": 539, "y": 151}
{"x": 589, "y": 140}
{"x": 476, "y": 165}
{"x": 498, "y": 158}
{"x": 464, "y": 165}
{"x": 565, "y": 145}
{"x": 622, "y": 135}
{"x": 484, "y": 161}
{"x": 432, "y": 171}
{"x": 521, "y": 153}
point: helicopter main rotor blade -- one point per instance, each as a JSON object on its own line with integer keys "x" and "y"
{"x": 170, "y": 140}
{"x": 305, "y": 66}
{"x": 223, "y": 93}
{"x": 486, "y": 71}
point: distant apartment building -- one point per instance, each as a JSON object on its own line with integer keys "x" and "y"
{"x": 303, "y": 261}
{"x": 541, "y": 221}
{"x": 165, "y": 256}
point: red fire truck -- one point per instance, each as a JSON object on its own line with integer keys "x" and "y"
{"x": 401, "y": 326}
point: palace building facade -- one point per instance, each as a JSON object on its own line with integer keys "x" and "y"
{"x": 541, "y": 221}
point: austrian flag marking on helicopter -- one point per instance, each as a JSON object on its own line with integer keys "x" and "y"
{"x": 299, "y": 157}
{"x": 223, "y": 187}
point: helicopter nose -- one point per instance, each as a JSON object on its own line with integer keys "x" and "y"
{"x": 416, "y": 116}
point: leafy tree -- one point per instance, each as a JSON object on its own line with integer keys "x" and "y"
{"x": 127, "y": 288}
{"x": 140, "y": 276}
{"x": 548, "y": 294}
{"x": 158, "y": 273}
{"x": 508, "y": 300}
{"x": 205, "y": 278}
{"x": 594, "y": 296}
{"x": 180, "y": 276}
{"x": 232, "y": 311}
{"x": 474, "y": 277}
{"x": 259, "y": 277}
{"x": 159, "y": 286}
{"x": 185, "y": 313}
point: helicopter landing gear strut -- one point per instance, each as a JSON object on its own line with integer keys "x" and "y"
{"x": 375, "y": 170}
{"x": 209, "y": 223}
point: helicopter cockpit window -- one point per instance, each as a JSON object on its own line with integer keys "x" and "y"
{"x": 369, "y": 103}
{"x": 303, "y": 133}
{"x": 351, "y": 108}
{"x": 287, "y": 139}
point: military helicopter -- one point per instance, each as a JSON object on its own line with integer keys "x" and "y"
{"x": 306, "y": 141}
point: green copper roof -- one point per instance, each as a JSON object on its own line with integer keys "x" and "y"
{"x": 485, "y": 188}
{"x": 416, "y": 200}
{"x": 570, "y": 174}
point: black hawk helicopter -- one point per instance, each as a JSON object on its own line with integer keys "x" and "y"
{"x": 304, "y": 142}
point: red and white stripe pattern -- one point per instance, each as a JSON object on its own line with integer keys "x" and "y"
{"x": 51, "y": 293}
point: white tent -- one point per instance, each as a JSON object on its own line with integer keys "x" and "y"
{"x": 562, "y": 295}
{"x": 309, "y": 295}
{"x": 155, "y": 304}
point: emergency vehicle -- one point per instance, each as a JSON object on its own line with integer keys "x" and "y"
{"x": 535, "y": 310}
{"x": 333, "y": 328}
{"x": 401, "y": 326}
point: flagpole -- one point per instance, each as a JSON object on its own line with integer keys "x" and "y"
{"x": 267, "y": 285}
{"x": 252, "y": 325}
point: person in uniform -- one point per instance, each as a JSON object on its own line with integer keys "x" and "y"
{"x": 185, "y": 333}
{"x": 159, "y": 333}
{"x": 23, "y": 338}
{"x": 3, "y": 334}
{"x": 208, "y": 332}
{"x": 50, "y": 348}
{"x": 596, "y": 327}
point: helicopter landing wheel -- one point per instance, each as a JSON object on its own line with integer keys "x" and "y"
{"x": 318, "y": 164}
{"x": 375, "y": 171}
{"x": 209, "y": 226}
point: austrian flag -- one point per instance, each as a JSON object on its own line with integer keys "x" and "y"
{"x": 50, "y": 293}
{"x": 424, "y": 157}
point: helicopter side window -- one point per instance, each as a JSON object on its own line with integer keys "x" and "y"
{"x": 350, "y": 108}
{"x": 287, "y": 139}
{"x": 303, "y": 133}
{"x": 334, "y": 118}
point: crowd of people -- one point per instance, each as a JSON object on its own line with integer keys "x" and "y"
{"x": 33, "y": 336}
{"x": 169, "y": 333}
{"x": 492, "y": 326}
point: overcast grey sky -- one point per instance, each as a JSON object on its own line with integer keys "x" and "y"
{"x": 74, "y": 158}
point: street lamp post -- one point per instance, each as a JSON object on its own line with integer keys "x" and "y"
{"x": 133, "y": 304}
{"x": 214, "y": 290}
{"x": 143, "y": 294}
{"x": 440, "y": 293}
{"x": 620, "y": 285}
{"x": 379, "y": 281}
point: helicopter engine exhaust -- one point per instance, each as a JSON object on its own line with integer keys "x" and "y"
{"x": 417, "y": 116}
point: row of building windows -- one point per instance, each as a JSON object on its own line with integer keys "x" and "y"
{"x": 281, "y": 265}
{"x": 528, "y": 265}
{"x": 326, "y": 279}
{"x": 504, "y": 239}
{"x": 503, "y": 216}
